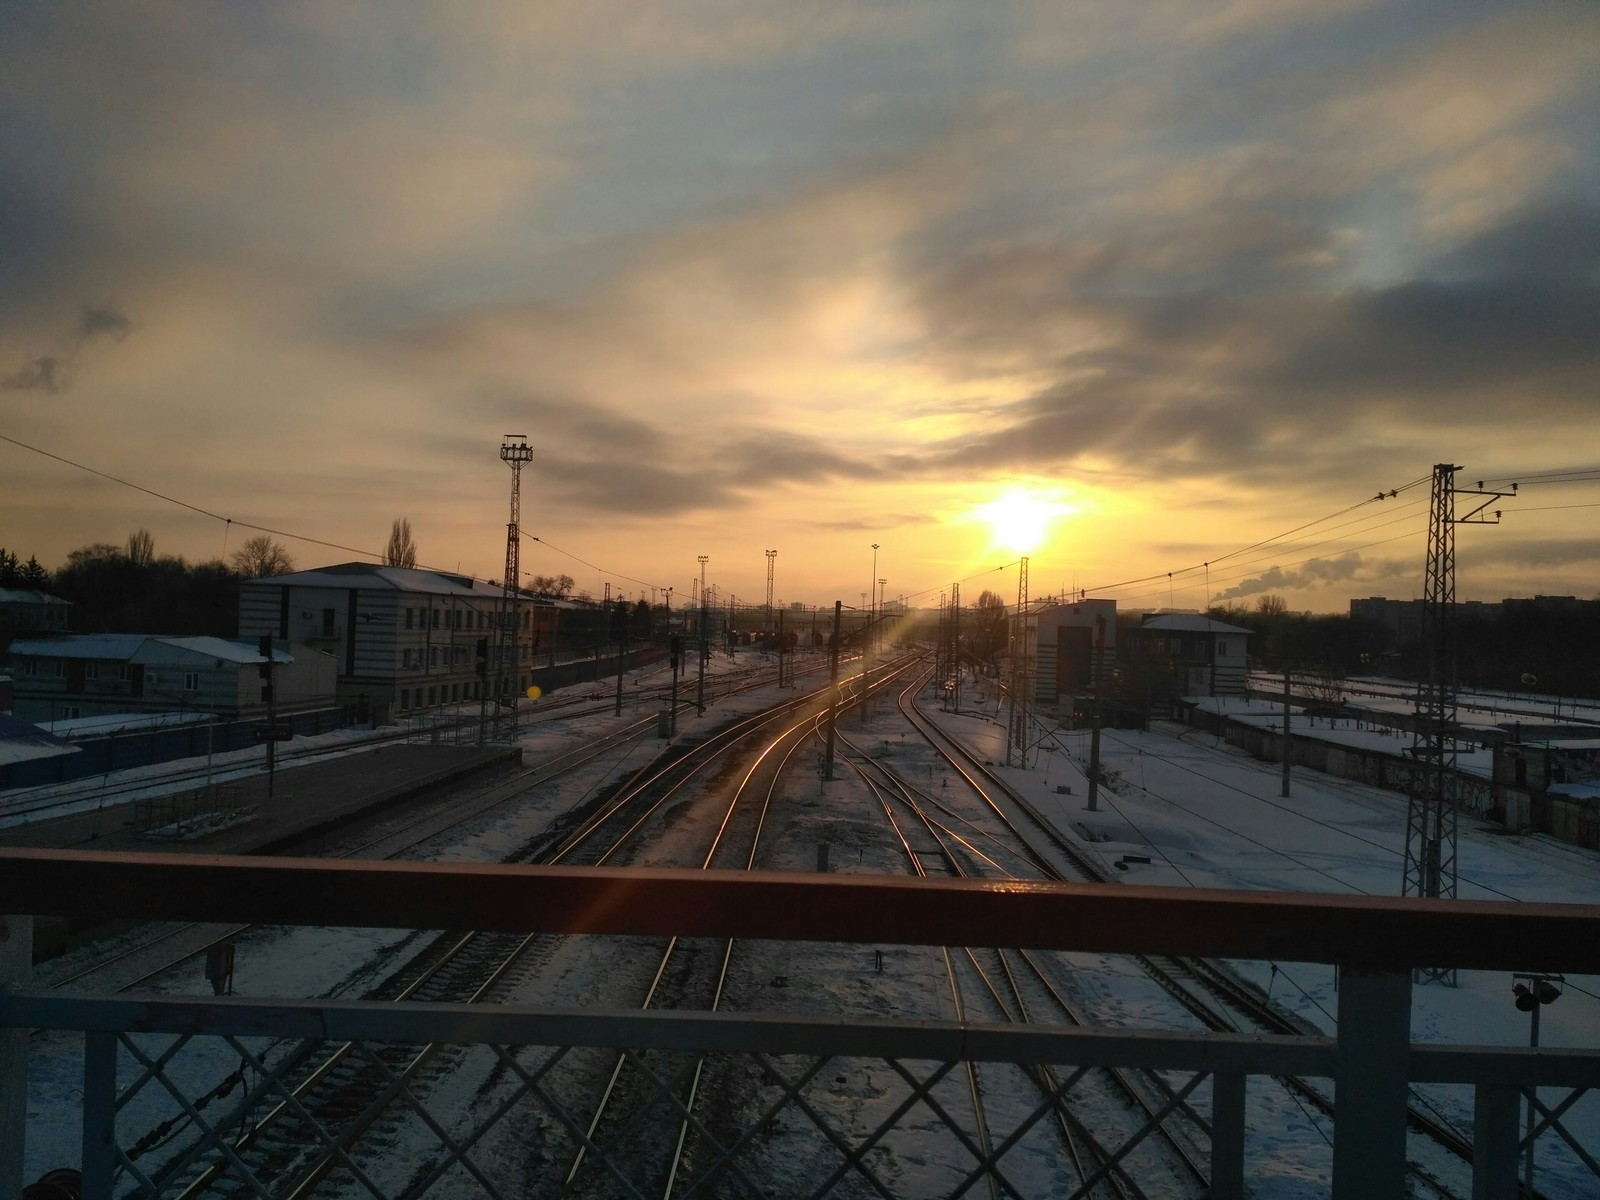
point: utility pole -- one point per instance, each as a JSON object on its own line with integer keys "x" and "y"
{"x": 869, "y": 587}
{"x": 1018, "y": 693}
{"x": 1430, "y": 866}
{"x": 1285, "y": 790}
{"x": 1094, "y": 720}
{"x": 955, "y": 645}
{"x": 833, "y": 690}
{"x": 700, "y": 695}
{"x": 772, "y": 558}
{"x": 515, "y": 453}
{"x": 268, "y": 693}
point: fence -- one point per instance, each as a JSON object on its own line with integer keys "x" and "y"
{"x": 793, "y": 1133}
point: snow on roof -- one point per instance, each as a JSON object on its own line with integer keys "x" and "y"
{"x": 81, "y": 645}
{"x": 105, "y": 723}
{"x": 29, "y": 596}
{"x": 1189, "y": 623}
{"x": 377, "y": 577}
{"x": 21, "y": 741}
{"x": 225, "y": 648}
{"x": 124, "y": 647}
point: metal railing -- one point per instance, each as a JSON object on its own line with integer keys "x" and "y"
{"x": 809, "y": 1106}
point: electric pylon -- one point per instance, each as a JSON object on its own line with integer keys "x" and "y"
{"x": 772, "y": 558}
{"x": 1430, "y": 865}
{"x": 514, "y": 452}
{"x": 1020, "y": 673}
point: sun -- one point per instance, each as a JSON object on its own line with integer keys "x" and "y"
{"x": 1020, "y": 520}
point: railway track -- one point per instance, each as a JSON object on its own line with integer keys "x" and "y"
{"x": 350, "y": 1088}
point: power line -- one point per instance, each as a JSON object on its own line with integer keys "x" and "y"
{"x": 1170, "y": 575}
{"x": 592, "y": 566}
{"x": 205, "y": 512}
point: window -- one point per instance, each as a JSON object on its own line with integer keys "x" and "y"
{"x": 60, "y": 669}
{"x": 455, "y": 691}
{"x": 405, "y": 693}
{"x": 191, "y": 681}
{"x": 71, "y": 712}
{"x": 1222, "y": 648}
{"x": 91, "y": 670}
{"x": 30, "y": 666}
{"x": 327, "y": 623}
{"x": 411, "y": 614}
{"x": 124, "y": 672}
{"x": 433, "y": 656}
{"x": 431, "y": 697}
{"x": 436, "y": 618}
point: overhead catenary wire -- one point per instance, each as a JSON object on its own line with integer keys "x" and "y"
{"x": 229, "y": 522}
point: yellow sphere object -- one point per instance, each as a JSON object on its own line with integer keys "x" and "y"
{"x": 534, "y": 693}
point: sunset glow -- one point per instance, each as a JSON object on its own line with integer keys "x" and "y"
{"x": 752, "y": 278}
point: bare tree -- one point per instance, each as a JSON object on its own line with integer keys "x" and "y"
{"x": 402, "y": 550}
{"x": 1271, "y": 606}
{"x": 141, "y": 548}
{"x": 556, "y": 586}
{"x": 261, "y": 555}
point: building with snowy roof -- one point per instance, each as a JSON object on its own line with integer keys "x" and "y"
{"x": 403, "y": 638}
{"x": 67, "y": 676}
{"x": 33, "y": 611}
{"x": 1187, "y": 654}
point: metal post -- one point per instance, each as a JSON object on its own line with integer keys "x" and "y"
{"x": 1494, "y": 1141}
{"x": 1533, "y": 1092}
{"x": 99, "y": 1112}
{"x": 16, "y": 968}
{"x": 1094, "y": 720}
{"x": 1285, "y": 790}
{"x": 833, "y": 691}
{"x": 1369, "y": 1138}
{"x": 1227, "y": 1137}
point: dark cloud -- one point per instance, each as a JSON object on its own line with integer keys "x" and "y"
{"x": 41, "y": 375}
{"x": 1498, "y": 549}
{"x": 53, "y": 373}
{"x": 103, "y": 320}
{"x": 1263, "y": 384}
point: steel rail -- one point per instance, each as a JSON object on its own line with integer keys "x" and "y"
{"x": 1238, "y": 995}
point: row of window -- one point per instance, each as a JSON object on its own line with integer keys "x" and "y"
{"x": 416, "y": 658}
{"x": 454, "y": 618}
{"x": 57, "y": 669}
{"x": 448, "y": 693}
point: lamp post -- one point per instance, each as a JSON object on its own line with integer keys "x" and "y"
{"x": 1533, "y": 993}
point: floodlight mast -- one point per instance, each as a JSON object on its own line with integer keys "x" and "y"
{"x": 515, "y": 453}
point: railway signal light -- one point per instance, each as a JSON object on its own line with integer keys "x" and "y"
{"x": 1536, "y": 991}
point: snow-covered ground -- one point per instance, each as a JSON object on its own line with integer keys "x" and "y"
{"x": 1202, "y": 813}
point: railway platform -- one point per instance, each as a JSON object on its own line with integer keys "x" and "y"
{"x": 305, "y": 801}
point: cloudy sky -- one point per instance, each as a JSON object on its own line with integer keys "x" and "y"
{"x": 1129, "y": 287}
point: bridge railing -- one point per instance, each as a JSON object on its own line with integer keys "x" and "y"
{"x": 174, "y": 1086}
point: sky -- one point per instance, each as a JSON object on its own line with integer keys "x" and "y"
{"x": 1128, "y": 288}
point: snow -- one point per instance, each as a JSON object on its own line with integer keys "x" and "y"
{"x": 1205, "y": 816}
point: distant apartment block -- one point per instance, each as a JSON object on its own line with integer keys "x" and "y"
{"x": 1403, "y": 618}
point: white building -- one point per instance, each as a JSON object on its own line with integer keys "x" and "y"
{"x": 1065, "y": 637}
{"x": 402, "y": 638}
{"x": 66, "y": 676}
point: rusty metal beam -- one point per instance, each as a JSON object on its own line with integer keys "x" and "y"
{"x": 1287, "y": 926}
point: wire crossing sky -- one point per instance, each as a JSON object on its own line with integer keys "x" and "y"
{"x": 1127, "y": 289}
